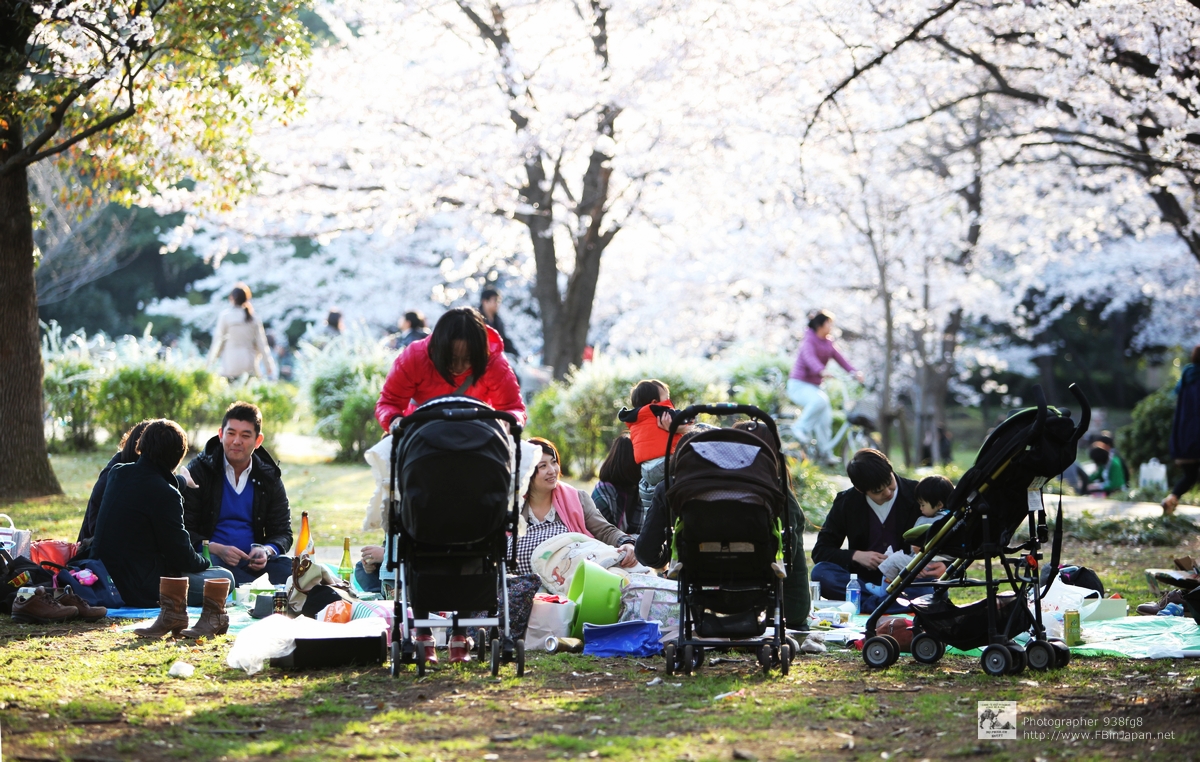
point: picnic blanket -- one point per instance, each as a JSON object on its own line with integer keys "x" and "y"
{"x": 1133, "y": 637}
{"x": 239, "y": 616}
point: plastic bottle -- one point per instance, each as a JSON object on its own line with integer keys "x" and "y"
{"x": 854, "y": 593}
{"x": 347, "y": 566}
{"x": 204, "y": 551}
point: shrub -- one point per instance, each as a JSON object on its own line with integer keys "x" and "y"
{"x": 154, "y": 390}
{"x": 760, "y": 380}
{"x": 343, "y": 379}
{"x": 580, "y": 415}
{"x": 71, "y": 388}
{"x": 1149, "y": 434}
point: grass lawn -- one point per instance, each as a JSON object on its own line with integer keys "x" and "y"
{"x": 92, "y": 692}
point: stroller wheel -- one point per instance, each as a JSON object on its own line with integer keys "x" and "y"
{"x": 764, "y": 658}
{"x": 1040, "y": 655}
{"x": 395, "y": 665}
{"x": 669, "y": 653}
{"x": 880, "y": 652}
{"x": 1020, "y": 660}
{"x": 1062, "y": 654}
{"x": 689, "y": 659}
{"x": 795, "y": 644}
{"x": 927, "y": 649}
{"x": 520, "y": 654}
{"x": 996, "y": 660}
{"x": 420, "y": 659}
{"x": 785, "y": 659}
{"x": 699, "y": 658}
{"x": 481, "y": 643}
{"x": 495, "y": 657}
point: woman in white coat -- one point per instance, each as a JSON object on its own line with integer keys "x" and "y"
{"x": 239, "y": 339}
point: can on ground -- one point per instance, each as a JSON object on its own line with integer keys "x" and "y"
{"x": 1071, "y": 628}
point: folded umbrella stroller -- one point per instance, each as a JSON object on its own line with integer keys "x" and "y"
{"x": 994, "y": 498}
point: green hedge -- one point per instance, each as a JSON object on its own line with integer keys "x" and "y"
{"x": 1149, "y": 434}
{"x": 135, "y": 393}
{"x": 71, "y": 388}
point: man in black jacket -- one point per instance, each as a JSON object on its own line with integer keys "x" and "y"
{"x": 870, "y": 518}
{"x": 239, "y": 504}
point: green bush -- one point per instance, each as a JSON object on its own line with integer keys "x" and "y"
{"x": 761, "y": 381}
{"x": 343, "y": 378}
{"x": 154, "y": 390}
{"x": 580, "y": 415}
{"x": 1149, "y": 435}
{"x": 71, "y": 388}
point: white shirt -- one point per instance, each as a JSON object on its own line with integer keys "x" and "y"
{"x": 882, "y": 511}
{"x": 238, "y": 483}
{"x": 533, "y": 520}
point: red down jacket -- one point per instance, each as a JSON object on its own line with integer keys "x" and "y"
{"x": 414, "y": 380}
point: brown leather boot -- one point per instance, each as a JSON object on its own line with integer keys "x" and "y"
{"x": 87, "y": 612}
{"x": 213, "y": 619}
{"x": 172, "y": 597}
{"x": 40, "y": 608}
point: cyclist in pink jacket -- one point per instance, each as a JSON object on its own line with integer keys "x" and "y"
{"x": 804, "y": 383}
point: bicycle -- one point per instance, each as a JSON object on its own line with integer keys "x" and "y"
{"x": 857, "y": 416}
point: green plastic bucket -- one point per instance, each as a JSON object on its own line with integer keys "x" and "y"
{"x": 597, "y": 596}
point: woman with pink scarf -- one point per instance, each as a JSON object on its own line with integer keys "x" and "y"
{"x": 552, "y": 508}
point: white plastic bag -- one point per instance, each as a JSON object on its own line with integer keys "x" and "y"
{"x": 276, "y": 636}
{"x": 1152, "y": 475}
{"x": 1062, "y": 598}
{"x": 556, "y": 559}
{"x": 16, "y": 541}
{"x": 548, "y": 619}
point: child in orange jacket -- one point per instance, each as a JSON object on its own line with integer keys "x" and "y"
{"x": 649, "y": 421}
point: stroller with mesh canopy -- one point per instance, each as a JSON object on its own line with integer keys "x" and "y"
{"x": 993, "y": 500}
{"x": 451, "y": 506}
{"x": 731, "y": 541}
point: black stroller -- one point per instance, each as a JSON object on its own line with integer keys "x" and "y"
{"x": 1002, "y": 491}
{"x": 731, "y": 537}
{"x": 451, "y": 504}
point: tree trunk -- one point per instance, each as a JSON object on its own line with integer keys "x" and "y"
{"x": 24, "y": 464}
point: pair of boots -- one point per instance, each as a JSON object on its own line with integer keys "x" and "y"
{"x": 173, "y": 618}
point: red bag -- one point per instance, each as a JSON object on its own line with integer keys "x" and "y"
{"x": 54, "y": 551}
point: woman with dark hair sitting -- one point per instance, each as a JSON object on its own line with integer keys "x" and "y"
{"x": 616, "y": 494}
{"x": 126, "y": 453}
{"x": 462, "y": 357}
{"x": 142, "y": 541}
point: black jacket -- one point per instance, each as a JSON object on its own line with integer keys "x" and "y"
{"x": 139, "y": 532}
{"x": 847, "y": 519}
{"x": 271, "y": 515}
{"x": 88, "y": 529}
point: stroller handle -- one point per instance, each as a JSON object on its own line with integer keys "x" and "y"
{"x": 460, "y": 414}
{"x": 1039, "y": 397}
{"x": 1085, "y": 411}
{"x": 679, "y": 417}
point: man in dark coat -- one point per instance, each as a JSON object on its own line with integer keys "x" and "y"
{"x": 870, "y": 517}
{"x": 140, "y": 535}
{"x": 239, "y": 504}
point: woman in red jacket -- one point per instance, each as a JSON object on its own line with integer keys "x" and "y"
{"x": 462, "y": 356}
